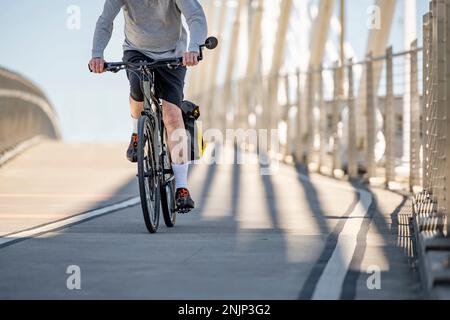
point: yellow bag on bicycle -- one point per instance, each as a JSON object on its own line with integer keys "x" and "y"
{"x": 196, "y": 143}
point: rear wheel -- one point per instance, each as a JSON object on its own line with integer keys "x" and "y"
{"x": 168, "y": 188}
{"x": 149, "y": 180}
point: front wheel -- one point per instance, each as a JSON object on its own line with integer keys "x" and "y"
{"x": 149, "y": 180}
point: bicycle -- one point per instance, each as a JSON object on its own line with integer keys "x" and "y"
{"x": 155, "y": 174}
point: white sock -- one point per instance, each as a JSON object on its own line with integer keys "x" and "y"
{"x": 181, "y": 175}
{"x": 135, "y": 124}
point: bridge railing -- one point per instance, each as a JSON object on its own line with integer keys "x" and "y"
{"x": 336, "y": 120}
{"x": 433, "y": 204}
{"x": 384, "y": 119}
{"x": 25, "y": 113}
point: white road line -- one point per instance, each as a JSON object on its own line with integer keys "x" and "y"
{"x": 67, "y": 222}
{"x": 329, "y": 286}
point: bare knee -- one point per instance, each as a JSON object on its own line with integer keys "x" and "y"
{"x": 173, "y": 117}
{"x": 173, "y": 121}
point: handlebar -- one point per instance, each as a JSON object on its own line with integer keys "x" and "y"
{"x": 210, "y": 43}
{"x": 117, "y": 66}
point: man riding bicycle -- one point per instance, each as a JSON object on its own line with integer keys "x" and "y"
{"x": 154, "y": 31}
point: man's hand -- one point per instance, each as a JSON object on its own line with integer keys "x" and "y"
{"x": 190, "y": 59}
{"x": 97, "y": 65}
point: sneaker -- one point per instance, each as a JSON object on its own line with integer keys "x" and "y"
{"x": 184, "y": 201}
{"x": 132, "y": 149}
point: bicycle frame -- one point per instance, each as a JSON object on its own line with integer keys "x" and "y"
{"x": 153, "y": 113}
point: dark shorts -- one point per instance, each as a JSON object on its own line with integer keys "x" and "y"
{"x": 169, "y": 83}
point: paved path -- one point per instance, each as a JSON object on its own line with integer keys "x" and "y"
{"x": 284, "y": 236}
{"x": 52, "y": 181}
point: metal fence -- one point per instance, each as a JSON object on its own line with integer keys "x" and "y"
{"x": 338, "y": 119}
{"x": 433, "y": 204}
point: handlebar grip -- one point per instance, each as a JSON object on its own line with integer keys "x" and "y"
{"x": 105, "y": 66}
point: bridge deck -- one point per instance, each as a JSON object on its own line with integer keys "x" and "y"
{"x": 288, "y": 235}
{"x": 53, "y": 180}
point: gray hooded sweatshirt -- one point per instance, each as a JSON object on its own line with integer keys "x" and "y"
{"x": 153, "y": 27}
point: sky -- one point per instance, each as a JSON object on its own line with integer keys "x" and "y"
{"x": 38, "y": 43}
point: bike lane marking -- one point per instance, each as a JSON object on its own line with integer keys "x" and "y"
{"x": 20, "y": 236}
{"x": 329, "y": 279}
{"x": 330, "y": 284}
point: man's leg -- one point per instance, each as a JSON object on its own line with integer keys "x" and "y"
{"x": 176, "y": 132}
{"x": 136, "y": 110}
{"x": 136, "y": 101}
{"x": 169, "y": 85}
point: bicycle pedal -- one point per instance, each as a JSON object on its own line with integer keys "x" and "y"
{"x": 183, "y": 211}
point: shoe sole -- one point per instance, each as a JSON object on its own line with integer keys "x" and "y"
{"x": 184, "y": 211}
{"x": 132, "y": 160}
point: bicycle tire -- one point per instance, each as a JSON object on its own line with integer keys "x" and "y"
{"x": 168, "y": 189}
{"x": 149, "y": 181}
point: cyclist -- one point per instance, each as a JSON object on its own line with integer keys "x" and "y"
{"x": 154, "y": 31}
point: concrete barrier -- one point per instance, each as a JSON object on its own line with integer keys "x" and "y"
{"x": 25, "y": 112}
